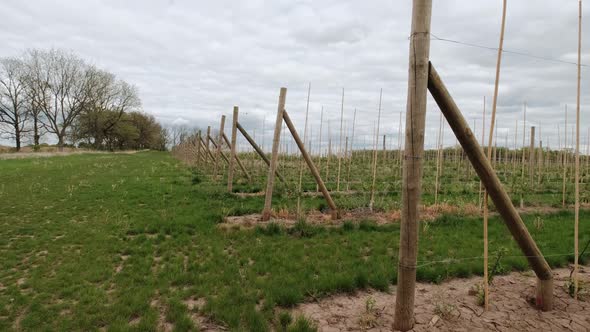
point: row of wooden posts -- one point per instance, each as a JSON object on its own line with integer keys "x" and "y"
{"x": 209, "y": 150}
{"x": 423, "y": 78}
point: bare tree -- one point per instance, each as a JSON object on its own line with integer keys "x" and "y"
{"x": 38, "y": 91}
{"x": 108, "y": 100}
{"x": 13, "y": 100}
{"x": 61, "y": 84}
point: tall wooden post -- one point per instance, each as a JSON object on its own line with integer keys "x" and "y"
{"x": 495, "y": 190}
{"x": 275, "y": 155}
{"x": 219, "y": 144}
{"x": 413, "y": 163}
{"x": 232, "y": 157}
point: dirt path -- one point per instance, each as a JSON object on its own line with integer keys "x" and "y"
{"x": 449, "y": 307}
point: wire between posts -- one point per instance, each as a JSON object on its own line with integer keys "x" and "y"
{"x": 457, "y": 260}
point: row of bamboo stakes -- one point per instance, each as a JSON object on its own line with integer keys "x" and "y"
{"x": 413, "y": 163}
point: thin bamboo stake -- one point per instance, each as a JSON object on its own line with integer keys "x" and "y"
{"x": 492, "y": 124}
{"x": 340, "y": 143}
{"x": 384, "y": 150}
{"x": 532, "y": 158}
{"x": 515, "y": 146}
{"x": 541, "y": 162}
{"x": 301, "y": 162}
{"x": 320, "y": 144}
{"x": 523, "y": 140}
{"x": 351, "y": 152}
{"x": 413, "y": 164}
{"x": 438, "y": 160}
{"x": 346, "y": 153}
{"x": 577, "y": 177}
{"x": 372, "y": 201}
{"x": 329, "y": 153}
{"x": 483, "y": 133}
{"x": 565, "y": 160}
{"x": 494, "y": 157}
{"x": 275, "y": 154}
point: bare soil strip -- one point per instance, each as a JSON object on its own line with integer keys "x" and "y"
{"x": 428, "y": 213}
{"x": 450, "y": 307}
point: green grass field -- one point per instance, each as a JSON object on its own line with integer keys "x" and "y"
{"x": 120, "y": 242}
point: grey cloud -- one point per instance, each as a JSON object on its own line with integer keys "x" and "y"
{"x": 195, "y": 60}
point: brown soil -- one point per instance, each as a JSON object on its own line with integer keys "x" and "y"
{"x": 163, "y": 324}
{"x": 428, "y": 213}
{"x": 288, "y": 219}
{"x": 449, "y": 307}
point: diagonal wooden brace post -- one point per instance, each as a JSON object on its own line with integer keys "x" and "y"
{"x": 544, "y": 296}
{"x": 237, "y": 159}
{"x": 312, "y": 168}
{"x": 206, "y": 148}
{"x": 258, "y": 149}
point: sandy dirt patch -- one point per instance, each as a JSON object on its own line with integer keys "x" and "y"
{"x": 450, "y": 307}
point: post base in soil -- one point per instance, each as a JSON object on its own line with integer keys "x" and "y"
{"x": 544, "y": 296}
{"x": 335, "y": 214}
{"x": 265, "y": 216}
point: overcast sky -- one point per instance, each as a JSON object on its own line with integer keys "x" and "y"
{"x": 192, "y": 61}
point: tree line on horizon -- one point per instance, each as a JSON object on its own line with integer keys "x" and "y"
{"x": 54, "y": 92}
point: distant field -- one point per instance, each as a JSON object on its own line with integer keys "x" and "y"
{"x": 130, "y": 242}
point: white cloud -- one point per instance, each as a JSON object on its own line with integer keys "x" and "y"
{"x": 194, "y": 60}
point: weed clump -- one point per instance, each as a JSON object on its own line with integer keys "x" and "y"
{"x": 302, "y": 324}
{"x": 285, "y": 319}
{"x": 272, "y": 229}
